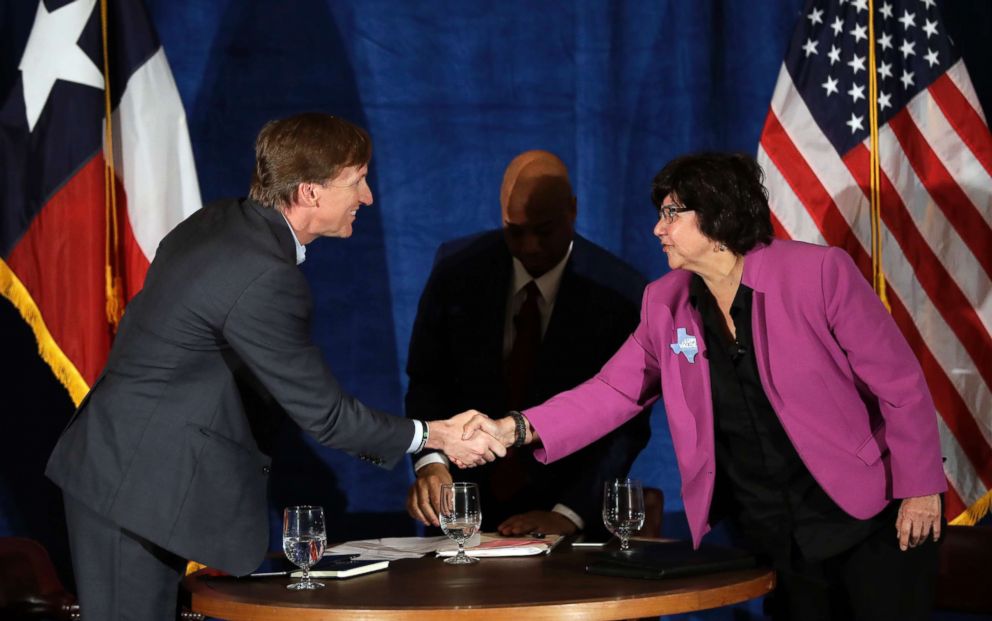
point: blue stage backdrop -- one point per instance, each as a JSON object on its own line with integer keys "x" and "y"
{"x": 450, "y": 92}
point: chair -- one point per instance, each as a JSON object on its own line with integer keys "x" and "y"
{"x": 29, "y": 586}
{"x": 31, "y": 590}
{"x": 654, "y": 511}
{"x": 964, "y": 575}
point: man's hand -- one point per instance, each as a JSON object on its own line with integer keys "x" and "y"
{"x": 547, "y": 522}
{"x": 504, "y": 429}
{"x": 918, "y": 517}
{"x": 463, "y": 451}
{"x": 423, "y": 501}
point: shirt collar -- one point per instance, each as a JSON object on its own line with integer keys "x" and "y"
{"x": 547, "y": 283}
{"x": 301, "y": 250}
{"x": 700, "y": 297}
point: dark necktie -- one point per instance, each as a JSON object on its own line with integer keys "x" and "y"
{"x": 509, "y": 474}
{"x": 526, "y": 343}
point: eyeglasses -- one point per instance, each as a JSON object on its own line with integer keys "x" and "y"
{"x": 671, "y": 211}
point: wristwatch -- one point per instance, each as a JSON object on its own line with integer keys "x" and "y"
{"x": 520, "y": 430}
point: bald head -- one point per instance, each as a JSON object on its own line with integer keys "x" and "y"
{"x": 538, "y": 210}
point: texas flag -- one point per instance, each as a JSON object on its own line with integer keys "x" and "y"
{"x": 84, "y": 203}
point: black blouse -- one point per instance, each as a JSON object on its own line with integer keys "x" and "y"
{"x": 761, "y": 480}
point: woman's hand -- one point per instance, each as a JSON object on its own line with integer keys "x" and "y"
{"x": 918, "y": 517}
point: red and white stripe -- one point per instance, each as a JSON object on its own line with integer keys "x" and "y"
{"x": 153, "y": 159}
{"x": 936, "y": 175}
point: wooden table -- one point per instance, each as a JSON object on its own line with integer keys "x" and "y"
{"x": 540, "y": 587}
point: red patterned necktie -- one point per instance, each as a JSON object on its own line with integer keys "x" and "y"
{"x": 509, "y": 474}
{"x": 526, "y": 343}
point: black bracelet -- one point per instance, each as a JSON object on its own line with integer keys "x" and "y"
{"x": 520, "y": 431}
{"x": 425, "y": 433}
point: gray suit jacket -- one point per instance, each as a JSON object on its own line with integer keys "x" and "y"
{"x": 167, "y": 442}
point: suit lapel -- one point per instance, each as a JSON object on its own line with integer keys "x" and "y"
{"x": 564, "y": 325}
{"x": 280, "y": 228}
{"x": 494, "y": 288}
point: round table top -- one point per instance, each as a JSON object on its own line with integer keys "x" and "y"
{"x": 553, "y": 586}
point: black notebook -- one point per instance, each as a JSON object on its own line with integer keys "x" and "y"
{"x": 343, "y": 569}
{"x": 667, "y": 559}
{"x": 331, "y": 566}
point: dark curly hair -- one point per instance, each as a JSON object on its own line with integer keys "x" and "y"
{"x": 725, "y": 191}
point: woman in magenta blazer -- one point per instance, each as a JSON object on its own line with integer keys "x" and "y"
{"x": 795, "y": 405}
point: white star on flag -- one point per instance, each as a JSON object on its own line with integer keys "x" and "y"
{"x": 810, "y": 47}
{"x": 837, "y": 26}
{"x": 906, "y": 79}
{"x": 52, "y": 54}
{"x": 885, "y": 41}
{"x": 816, "y": 17}
{"x": 834, "y": 54}
{"x": 884, "y": 100}
{"x": 886, "y": 10}
{"x": 860, "y": 32}
{"x": 830, "y": 85}
{"x": 930, "y": 3}
{"x": 855, "y": 123}
{"x": 930, "y": 28}
{"x": 857, "y": 92}
{"x": 908, "y": 20}
{"x": 857, "y": 64}
{"x": 907, "y": 48}
{"x": 932, "y": 57}
{"x": 860, "y": 5}
{"x": 885, "y": 70}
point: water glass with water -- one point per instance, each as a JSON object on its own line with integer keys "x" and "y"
{"x": 623, "y": 509}
{"x": 460, "y": 517}
{"x": 303, "y": 541}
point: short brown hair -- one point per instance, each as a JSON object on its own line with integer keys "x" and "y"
{"x": 306, "y": 148}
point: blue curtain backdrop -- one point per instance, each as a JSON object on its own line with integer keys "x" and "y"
{"x": 450, "y": 91}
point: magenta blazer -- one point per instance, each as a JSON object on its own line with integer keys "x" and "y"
{"x": 840, "y": 376}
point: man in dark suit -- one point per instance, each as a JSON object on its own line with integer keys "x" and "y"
{"x": 162, "y": 461}
{"x": 506, "y": 320}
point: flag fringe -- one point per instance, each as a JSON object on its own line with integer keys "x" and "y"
{"x": 14, "y": 290}
{"x": 975, "y": 512}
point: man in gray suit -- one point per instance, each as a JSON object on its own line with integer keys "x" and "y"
{"x": 161, "y": 462}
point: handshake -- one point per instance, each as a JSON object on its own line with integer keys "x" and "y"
{"x": 472, "y": 438}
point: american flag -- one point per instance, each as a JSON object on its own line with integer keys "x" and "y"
{"x": 935, "y": 154}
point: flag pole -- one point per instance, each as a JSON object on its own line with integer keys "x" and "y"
{"x": 112, "y": 259}
{"x": 875, "y": 186}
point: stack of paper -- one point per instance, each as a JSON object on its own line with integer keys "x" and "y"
{"x": 495, "y": 545}
{"x": 395, "y": 548}
{"x": 392, "y": 548}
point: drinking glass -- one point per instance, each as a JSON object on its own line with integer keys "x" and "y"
{"x": 303, "y": 541}
{"x": 623, "y": 509}
{"x": 461, "y": 516}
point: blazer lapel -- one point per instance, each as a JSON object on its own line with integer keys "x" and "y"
{"x": 694, "y": 378}
{"x": 751, "y": 277}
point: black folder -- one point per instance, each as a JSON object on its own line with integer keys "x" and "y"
{"x": 668, "y": 559}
